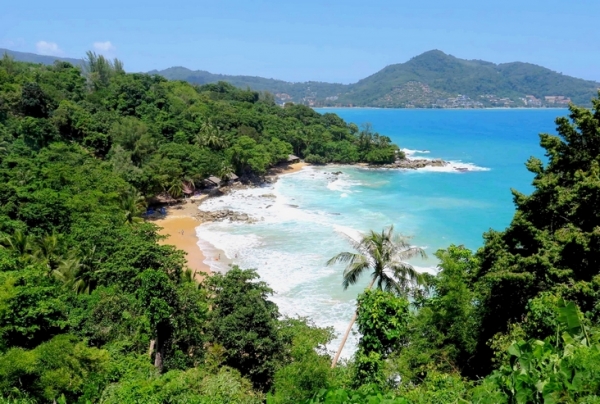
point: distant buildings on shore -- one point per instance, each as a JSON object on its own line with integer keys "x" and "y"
{"x": 460, "y": 101}
{"x": 557, "y": 100}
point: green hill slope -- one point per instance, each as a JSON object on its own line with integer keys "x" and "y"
{"x": 34, "y": 58}
{"x": 435, "y": 76}
{"x": 430, "y": 80}
{"x": 286, "y": 91}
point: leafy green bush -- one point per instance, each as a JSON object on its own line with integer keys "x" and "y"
{"x": 316, "y": 159}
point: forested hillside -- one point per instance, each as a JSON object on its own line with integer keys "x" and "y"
{"x": 443, "y": 76}
{"x": 296, "y": 91}
{"x": 94, "y": 310}
{"x": 35, "y": 58}
{"x": 430, "y": 80}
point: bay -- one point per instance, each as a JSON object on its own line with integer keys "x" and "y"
{"x": 306, "y": 217}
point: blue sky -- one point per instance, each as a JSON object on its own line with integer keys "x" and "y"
{"x": 336, "y": 41}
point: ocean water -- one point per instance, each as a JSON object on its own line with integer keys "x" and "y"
{"x": 306, "y": 217}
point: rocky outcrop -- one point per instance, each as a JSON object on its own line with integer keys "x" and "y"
{"x": 413, "y": 164}
{"x": 222, "y": 215}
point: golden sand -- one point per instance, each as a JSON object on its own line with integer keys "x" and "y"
{"x": 180, "y": 224}
{"x": 180, "y": 228}
{"x": 289, "y": 168}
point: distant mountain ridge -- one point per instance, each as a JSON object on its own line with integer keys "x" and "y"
{"x": 431, "y": 80}
{"x": 296, "y": 91}
{"x": 437, "y": 79}
{"x": 35, "y": 58}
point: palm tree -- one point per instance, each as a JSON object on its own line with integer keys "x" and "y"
{"x": 210, "y": 136}
{"x": 175, "y": 189}
{"x": 189, "y": 185}
{"x": 384, "y": 254}
{"x": 225, "y": 171}
{"x": 47, "y": 251}
{"x": 67, "y": 271}
{"x": 18, "y": 243}
{"x": 133, "y": 204}
{"x": 77, "y": 271}
{"x": 3, "y": 146}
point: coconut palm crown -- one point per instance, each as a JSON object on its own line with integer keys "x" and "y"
{"x": 385, "y": 254}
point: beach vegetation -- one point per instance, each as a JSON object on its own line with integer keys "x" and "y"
{"x": 385, "y": 254}
{"x": 94, "y": 309}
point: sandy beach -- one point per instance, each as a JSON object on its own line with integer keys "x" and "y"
{"x": 180, "y": 228}
{"x": 287, "y": 169}
{"x": 180, "y": 224}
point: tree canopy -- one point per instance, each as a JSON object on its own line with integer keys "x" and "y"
{"x": 94, "y": 309}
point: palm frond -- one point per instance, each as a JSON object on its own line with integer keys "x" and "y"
{"x": 412, "y": 252}
{"x": 406, "y": 272}
{"x": 354, "y": 270}
{"x": 385, "y": 253}
{"x": 342, "y": 258}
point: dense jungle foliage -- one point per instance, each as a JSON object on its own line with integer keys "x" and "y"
{"x": 93, "y": 309}
{"x": 157, "y": 134}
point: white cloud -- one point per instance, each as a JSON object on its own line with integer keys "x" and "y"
{"x": 105, "y": 48}
{"x": 48, "y": 48}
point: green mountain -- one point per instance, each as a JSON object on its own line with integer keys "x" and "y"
{"x": 34, "y": 58}
{"x": 287, "y": 91}
{"x": 430, "y": 80}
{"x": 434, "y": 78}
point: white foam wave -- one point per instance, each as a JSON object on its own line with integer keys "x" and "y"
{"x": 281, "y": 247}
{"x": 410, "y": 152}
{"x": 293, "y": 240}
{"x": 263, "y": 204}
{"x": 341, "y": 183}
{"x": 453, "y": 166}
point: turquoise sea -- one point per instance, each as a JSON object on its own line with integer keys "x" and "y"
{"x": 306, "y": 217}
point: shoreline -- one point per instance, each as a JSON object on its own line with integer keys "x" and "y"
{"x": 181, "y": 221}
{"x": 288, "y": 169}
{"x": 179, "y": 226}
{"x": 450, "y": 109}
{"x": 203, "y": 258}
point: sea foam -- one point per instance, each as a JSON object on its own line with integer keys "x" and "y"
{"x": 303, "y": 220}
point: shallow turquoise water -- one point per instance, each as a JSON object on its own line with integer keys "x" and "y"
{"x": 459, "y": 208}
{"x": 306, "y": 217}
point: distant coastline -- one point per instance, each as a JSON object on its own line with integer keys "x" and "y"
{"x": 438, "y": 109}
{"x": 453, "y": 109}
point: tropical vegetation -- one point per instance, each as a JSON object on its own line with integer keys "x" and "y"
{"x": 94, "y": 310}
{"x": 419, "y": 82}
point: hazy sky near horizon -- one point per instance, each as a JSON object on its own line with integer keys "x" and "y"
{"x": 335, "y": 41}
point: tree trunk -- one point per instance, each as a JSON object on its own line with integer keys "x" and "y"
{"x": 151, "y": 348}
{"x": 339, "y": 351}
{"x": 158, "y": 359}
